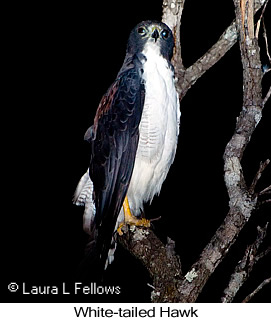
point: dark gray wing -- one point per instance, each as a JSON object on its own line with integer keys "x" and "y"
{"x": 114, "y": 140}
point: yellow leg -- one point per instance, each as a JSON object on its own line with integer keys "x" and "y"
{"x": 130, "y": 219}
{"x": 127, "y": 211}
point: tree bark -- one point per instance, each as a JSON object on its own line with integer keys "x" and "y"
{"x": 160, "y": 260}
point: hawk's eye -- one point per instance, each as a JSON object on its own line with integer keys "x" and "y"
{"x": 165, "y": 34}
{"x": 142, "y": 31}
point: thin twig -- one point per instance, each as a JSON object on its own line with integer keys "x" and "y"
{"x": 244, "y": 267}
{"x": 265, "y": 282}
{"x": 261, "y": 203}
{"x": 263, "y": 254}
{"x": 266, "y": 41}
{"x": 265, "y": 191}
{"x": 258, "y": 175}
{"x": 266, "y": 97}
{"x": 260, "y": 20}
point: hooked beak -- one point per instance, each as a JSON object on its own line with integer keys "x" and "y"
{"x": 155, "y": 34}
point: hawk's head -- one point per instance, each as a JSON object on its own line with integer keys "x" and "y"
{"x": 154, "y": 32}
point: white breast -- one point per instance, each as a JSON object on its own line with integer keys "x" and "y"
{"x": 159, "y": 129}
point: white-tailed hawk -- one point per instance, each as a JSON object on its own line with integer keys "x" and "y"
{"x": 133, "y": 139}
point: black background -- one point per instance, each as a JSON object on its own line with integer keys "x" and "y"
{"x": 60, "y": 60}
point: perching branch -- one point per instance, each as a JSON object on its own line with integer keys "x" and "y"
{"x": 161, "y": 262}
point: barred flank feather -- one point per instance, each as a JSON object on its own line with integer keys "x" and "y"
{"x": 83, "y": 197}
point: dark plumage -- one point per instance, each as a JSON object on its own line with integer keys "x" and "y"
{"x": 113, "y": 152}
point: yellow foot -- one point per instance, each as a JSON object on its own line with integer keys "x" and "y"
{"x": 120, "y": 227}
{"x": 130, "y": 219}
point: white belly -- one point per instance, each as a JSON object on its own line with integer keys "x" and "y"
{"x": 158, "y": 129}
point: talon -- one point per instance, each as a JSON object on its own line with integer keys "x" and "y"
{"x": 130, "y": 219}
{"x": 143, "y": 223}
{"x": 119, "y": 228}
